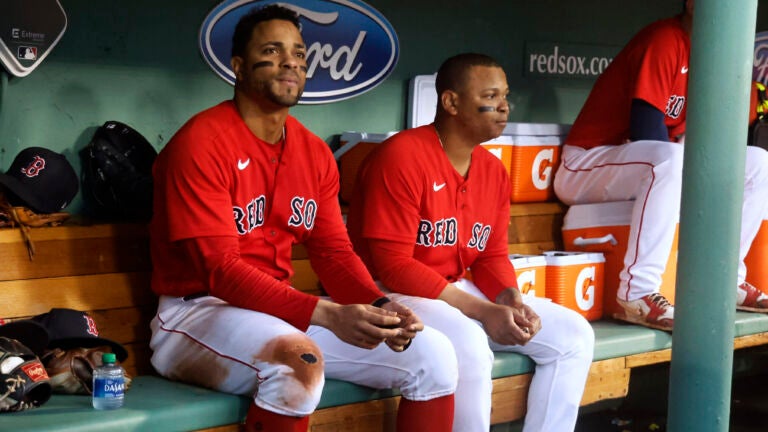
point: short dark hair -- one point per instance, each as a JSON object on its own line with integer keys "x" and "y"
{"x": 453, "y": 71}
{"x": 257, "y": 15}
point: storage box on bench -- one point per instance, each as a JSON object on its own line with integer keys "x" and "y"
{"x": 531, "y": 271}
{"x": 604, "y": 227}
{"x": 757, "y": 270}
{"x": 575, "y": 280}
{"x": 355, "y": 146}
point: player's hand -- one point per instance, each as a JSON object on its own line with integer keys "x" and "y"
{"x": 499, "y": 322}
{"x": 360, "y": 325}
{"x": 410, "y": 324}
{"x": 528, "y": 320}
{"x": 525, "y": 318}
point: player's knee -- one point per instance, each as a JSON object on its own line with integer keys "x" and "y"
{"x": 299, "y": 353}
{"x": 580, "y": 337}
{"x": 757, "y": 167}
{"x": 433, "y": 366}
{"x": 668, "y": 160}
{"x": 293, "y": 379}
{"x": 474, "y": 355}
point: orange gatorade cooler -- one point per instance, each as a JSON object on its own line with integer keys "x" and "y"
{"x": 575, "y": 280}
{"x": 531, "y": 271}
{"x": 757, "y": 258}
{"x": 501, "y": 147}
{"x": 355, "y": 146}
{"x": 604, "y": 227}
{"x": 535, "y": 157}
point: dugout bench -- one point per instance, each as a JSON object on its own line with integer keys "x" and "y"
{"x": 104, "y": 269}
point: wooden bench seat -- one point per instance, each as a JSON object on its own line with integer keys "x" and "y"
{"x": 104, "y": 270}
{"x": 154, "y": 403}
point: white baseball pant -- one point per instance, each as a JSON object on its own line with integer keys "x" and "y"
{"x": 207, "y": 342}
{"x": 650, "y": 173}
{"x": 562, "y": 351}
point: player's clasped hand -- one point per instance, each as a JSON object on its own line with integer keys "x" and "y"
{"x": 510, "y": 321}
{"x": 365, "y": 326}
{"x": 409, "y": 325}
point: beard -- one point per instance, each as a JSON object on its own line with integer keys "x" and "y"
{"x": 273, "y": 92}
{"x": 286, "y": 99}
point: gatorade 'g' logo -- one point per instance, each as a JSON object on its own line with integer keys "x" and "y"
{"x": 585, "y": 289}
{"x": 34, "y": 167}
{"x": 541, "y": 171}
{"x": 527, "y": 282}
{"x": 303, "y": 212}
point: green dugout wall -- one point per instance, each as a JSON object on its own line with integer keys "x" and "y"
{"x": 138, "y": 62}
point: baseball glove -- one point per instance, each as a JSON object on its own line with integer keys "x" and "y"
{"x": 71, "y": 370}
{"x": 23, "y": 381}
{"x": 25, "y": 218}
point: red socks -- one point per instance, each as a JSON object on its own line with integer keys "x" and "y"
{"x": 261, "y": 420}
{"x": 434, "y": 415}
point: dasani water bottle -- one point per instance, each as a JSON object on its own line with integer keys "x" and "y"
{"x": 108, "y": 384}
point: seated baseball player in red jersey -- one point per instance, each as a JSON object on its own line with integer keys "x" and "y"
{"x": 627, "y": 144}
{"x": 431, "y": 202}
{"x": 238, "y": 185}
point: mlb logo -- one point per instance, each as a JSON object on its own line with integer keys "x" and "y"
{"x": 29, "y": 29}
{"x": 27, "y": 53}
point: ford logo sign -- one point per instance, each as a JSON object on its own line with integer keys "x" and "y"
{"x": 760, "y": 63}
{"x": 351, "y": 47}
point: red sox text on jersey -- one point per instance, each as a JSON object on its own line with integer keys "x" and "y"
{"x": 303, "y": 212}
{"x": 444, "y": 232}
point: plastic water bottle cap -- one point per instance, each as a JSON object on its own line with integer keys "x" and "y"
{"x": 108, "y": 358}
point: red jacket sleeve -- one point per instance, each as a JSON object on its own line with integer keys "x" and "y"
{"x": 342, "y": 273}
{"x": 402, "y": 273}
{"x": 217, "y": 262}
{"x": 492, "y": 272}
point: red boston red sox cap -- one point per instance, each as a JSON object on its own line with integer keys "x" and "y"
{"x": 40, "y": 179}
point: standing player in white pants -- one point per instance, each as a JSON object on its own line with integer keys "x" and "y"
{"x": 431, "y": 202}
{"x": 627, "y": 144}
{"x": 237, "y": 186}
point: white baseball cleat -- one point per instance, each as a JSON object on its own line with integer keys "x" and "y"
{"x": 653, "y": 311}
{"x": 749, "y": 298}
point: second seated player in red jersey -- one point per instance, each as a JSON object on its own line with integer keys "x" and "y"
{"x": 431, "y": 202}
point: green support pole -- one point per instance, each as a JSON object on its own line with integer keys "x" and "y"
{"x": 710, "y": 220}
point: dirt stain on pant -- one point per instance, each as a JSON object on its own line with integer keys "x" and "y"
{"x": 300, "y": 353}
{"x": 200, "y": 366}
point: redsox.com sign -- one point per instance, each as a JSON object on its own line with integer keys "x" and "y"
{"x": 351, "y": 47}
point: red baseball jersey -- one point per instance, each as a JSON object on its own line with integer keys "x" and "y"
{"x": 215, "y": 178}
{"x": 408, "y": 192}
{"x": 652, "y": 67}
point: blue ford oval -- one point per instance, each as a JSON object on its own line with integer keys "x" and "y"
{"x": 351, "y": 47}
